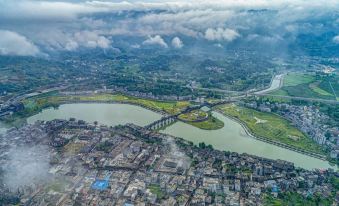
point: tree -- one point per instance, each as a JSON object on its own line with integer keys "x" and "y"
{"x": 202, "y": 145}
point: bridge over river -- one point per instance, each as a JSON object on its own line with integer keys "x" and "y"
{"x": 167, "y": 120}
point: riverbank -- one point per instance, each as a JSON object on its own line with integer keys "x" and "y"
{"x": 37, "y": 104}
{"x": 270, "y": 141}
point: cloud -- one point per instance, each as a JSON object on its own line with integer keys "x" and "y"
{"x": 135, "y": 46}
{"x": 43, "y": 10}
{"x": 91, "y": 39}
{"x": 214, "y": 20}
{"x": 156, "y": 40}
{"x": 218, "y": 45}
{"x": 59, "y": 40}
{"x": 71, "y": 45}
{"x": 12, "y": 43}
{"x": 26, "y": 166}
{"x": 336, "y": 39}
{"x": 221, "y": 34}
{"x": 177, "y": 43}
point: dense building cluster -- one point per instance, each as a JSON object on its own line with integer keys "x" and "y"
{"x": 93, "y": 164}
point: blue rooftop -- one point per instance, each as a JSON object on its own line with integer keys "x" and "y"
{"x": 100, "y": 184}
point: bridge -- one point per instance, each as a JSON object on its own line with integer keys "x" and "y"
{"x": 167, "y": 120}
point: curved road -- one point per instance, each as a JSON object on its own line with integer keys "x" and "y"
{"x": 276, "y": 83}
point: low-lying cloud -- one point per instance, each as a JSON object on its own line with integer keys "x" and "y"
{"x": 55, "y": 25}
{"x": 87, "y": 39}
{"x": 26, "y": 166}
{"x": 221, "y": 34}
{"x": 177, "y": 43}
{"x": 156, "y": 40}
{"x": 12, "y": 43}
{"x": 336, "y": 39}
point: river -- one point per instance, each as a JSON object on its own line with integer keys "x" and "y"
{"x": 232, "y": 137}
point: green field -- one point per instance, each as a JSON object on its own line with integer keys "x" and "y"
{"x": 271, "y": 126}
{"x": 307, "y": 85}
{"x": 315, "y": 87}
{"x": 294, "y": 79}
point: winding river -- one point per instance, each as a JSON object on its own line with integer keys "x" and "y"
{"x": 232, "y": 137}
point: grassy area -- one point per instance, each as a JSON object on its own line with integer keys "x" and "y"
{"x": 194, "y": 115}
{"x": 306, "y": 85}
{"x": 36, "y": 104}
{"x": 211, "y": 123}
{"x": 155, "y": 189}
{"x": 315, "y": 87}
{"x": 331, "y": 82}
{"x": 73, "y": 148}
{"x": 293, "y": 79}
{"x": 271, "y": 126}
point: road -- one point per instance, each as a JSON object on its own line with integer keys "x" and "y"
{"x": 276, "y": 83}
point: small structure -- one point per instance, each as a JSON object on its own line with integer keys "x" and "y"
{"x": 100, "y": 184}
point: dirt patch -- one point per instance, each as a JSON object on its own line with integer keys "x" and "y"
{"x": 258, "y": 121}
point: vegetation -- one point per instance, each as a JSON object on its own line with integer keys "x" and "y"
{"x": 330, "y": 110}
{"x": 295, "y": 199}
{"x": 271, "y": 126}
{"x": 155, "y": 189}
{"x": 310, "y": 86}
{"x": 33, "y": 105}
{"x": 212, "y": 123}
{"x": 150, "y": 71}
{"x": 202, "y": 145}
{"x": 335, "y": 182}
{"x": 194, "y": 115}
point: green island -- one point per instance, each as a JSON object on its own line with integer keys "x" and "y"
{"x": 201, "y": 119}
{"x": 194, "y": 115}
{"x": 212, "y": 123}
{"x": 271, "y": 126}
{"x": 309, "y": 86}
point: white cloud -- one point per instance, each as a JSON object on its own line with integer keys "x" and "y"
{"x": 91, "y": 39}
{"x": 221, "y": 34}
{"x": 177, "y": 43}
{"x": 12, "y": 43}
{"x": 336, "y": 39}
{"x": 214, "y": 20}
{"x": 28, "y": 9}
{"x": 218, "y": 45}
{"x": 71, "y": 45}
{"x": 135, "y": 46}
{"x": 156, "y": 40}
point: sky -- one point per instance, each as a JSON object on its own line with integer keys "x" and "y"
{"x": 35, "y": 28}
